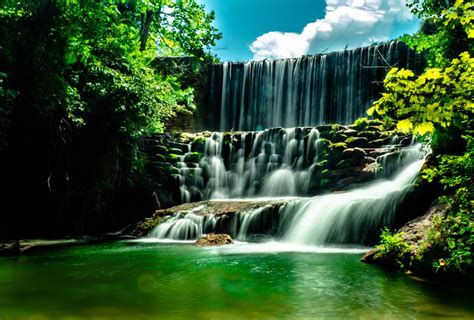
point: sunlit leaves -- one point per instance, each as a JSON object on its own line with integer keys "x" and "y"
{"x": 433, "y": 99}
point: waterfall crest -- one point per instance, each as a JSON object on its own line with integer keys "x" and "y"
{"x": 329, "y": 88}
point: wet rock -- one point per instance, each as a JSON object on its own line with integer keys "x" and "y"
{"x": 406, "y": 141}
{"x": 213, "y": 239}
{"x": 372, "y": 256}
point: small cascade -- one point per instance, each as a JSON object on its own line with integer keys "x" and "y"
{"x": 273, "y": 162}
{"x": 329, "y": 88}
{"x": 351, "y": 216}
{"x": 184, "y": 226}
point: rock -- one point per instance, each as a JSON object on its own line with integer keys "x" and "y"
{"x": 154, "y": 149}
{"x": 350, "y": 132}
{"x": 354, "y": 153}
{"x": 359, "y": 142}
{"x": 406, "y": 141}
{"x": 416, "y": 231}
{"x": 347, "y": 163}
{"x": 176, "y": 151}
{"x": 337, "y": 147}
{"x": 379, "y": 142}
{"x": 213, "y": 239}
{"x": 378, "y": 152}
{"x": 192, "y": 157}
{"x": 371, "y": 256}
{"x": 371, "y": 135}
{"x": 367, "y": 160}
{"x": 370, "y": 170}
{"x": 339, "y": 137}
{"x": 324, "y": 127}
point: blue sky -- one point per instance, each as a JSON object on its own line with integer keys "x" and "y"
{"x": 258, "y": 29}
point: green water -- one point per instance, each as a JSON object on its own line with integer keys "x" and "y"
{"x": 125, "y": 280}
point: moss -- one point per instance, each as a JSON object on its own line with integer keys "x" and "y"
{"x": 360, "y": 124}
{"x": 193, "y": 157}
{"x": 339, "y": 137}
{"x": 337, "y": 147}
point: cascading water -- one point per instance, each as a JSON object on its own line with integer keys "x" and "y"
{"x": 274, "y": 162}
{"x": 297, "y": 94}
{"x": 337, "y": 218}
{"x": 330, "y": 88}
{"x": 351, "y": 216}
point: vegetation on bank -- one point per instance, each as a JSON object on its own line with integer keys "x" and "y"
{"x": 438, "y": 105}
{"x": 79, "y": 83}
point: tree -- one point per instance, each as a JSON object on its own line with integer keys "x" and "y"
{"x": 78, "y": 87}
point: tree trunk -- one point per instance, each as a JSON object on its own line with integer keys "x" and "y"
{"x": 145, "y": 30}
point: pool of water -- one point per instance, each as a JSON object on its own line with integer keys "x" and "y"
{"x": 148, "y": 280}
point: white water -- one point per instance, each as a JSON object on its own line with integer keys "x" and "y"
{"x": 348, "y": 217}
{"x": 330, "y": 88}
{"x": 274, "y": 162}
{"x": 331, "y": 219}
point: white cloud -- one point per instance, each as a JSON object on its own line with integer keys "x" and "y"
{"x": 351, "y": 23}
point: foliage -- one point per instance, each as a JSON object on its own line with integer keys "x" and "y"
{"x": 79, "y": 84}
{"x": 446, "y": 31}
{"x": 393, "y": 247}
{"x": 438, "y": 97}
{"x": 438, "y": 103}
{"x": 450, "y": 240}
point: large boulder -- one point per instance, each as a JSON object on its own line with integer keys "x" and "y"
{"x": 213, "y": 239}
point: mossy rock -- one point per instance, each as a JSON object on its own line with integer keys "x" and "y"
{"x": 173, "y": 157}
{"x": 186, "y": 137}
{"x": 323, "y": 144}
{"x": 175, "y": 151}
{"x": 326, "y": 134}
{"x": 339, "y": 137}
{"x": 350, "y": 132}
{"x": 155, "y": 149}
{"x": 359, "y": 142}
{"x": 354, "y": 153}
{"x": 374, "y": 128}
{"x": 159, "y": 158}
{"x": 360, "y": 124}
{"x": 379, "y": 142}
{"x": 337, "y": 147}
{"x": 347, "y": 163}
{"x": 371, "y": 135}
{"x": 193, "y": 157}
{"x": 198, "y": 145}
{"x": 324, "y": 128}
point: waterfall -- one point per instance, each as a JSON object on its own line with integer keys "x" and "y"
{"x": 348, "y": 217}
{"x": 330, "y": 88}
{"x": 336, "y": 218}
{"x": 273, "y": 162}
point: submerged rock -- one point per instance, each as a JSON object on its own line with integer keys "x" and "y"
{"x": 213, "y": 239}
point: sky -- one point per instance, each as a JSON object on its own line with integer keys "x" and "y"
{"x": 275, "y": 29}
